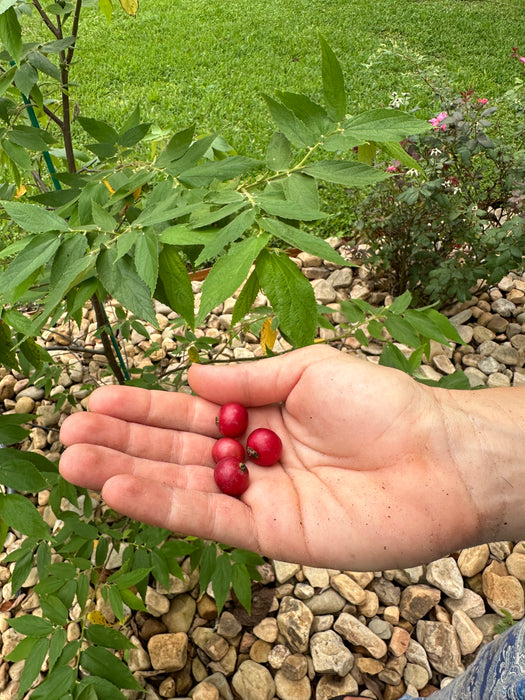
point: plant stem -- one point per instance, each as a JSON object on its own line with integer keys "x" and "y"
{"x": 106, "y": 340}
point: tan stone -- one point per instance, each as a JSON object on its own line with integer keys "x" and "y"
{"x": 399, "y": 641}
{"x": 348, "y": 588}
{"x": 473, "y": 560}
{"x": 168, "y": 652}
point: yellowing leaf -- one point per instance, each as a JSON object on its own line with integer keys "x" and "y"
{"x": 111, "y": 190}
{"x": 193, "y": 354}
{"x": 130, "y": 6}
{"x": 97, "y": 618}
{"x": 268, "y": 336}
{"x": 137, "y": 193}
{"x": 20, "y": 191}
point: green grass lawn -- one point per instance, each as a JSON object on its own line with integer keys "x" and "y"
{"x": 208, "y": 63}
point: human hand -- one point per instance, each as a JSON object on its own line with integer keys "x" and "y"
{"x": 366, "y": 479}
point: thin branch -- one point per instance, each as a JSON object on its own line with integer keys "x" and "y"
{"x": 46, "y": 19}
{"x": 74, "y": 32}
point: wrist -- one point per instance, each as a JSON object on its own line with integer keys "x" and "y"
{"x": 485, "y": 432}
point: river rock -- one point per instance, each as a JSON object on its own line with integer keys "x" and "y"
{"x": 442, "y": 646}
{"x": 417, "y": 600}
{"x": 355, "y": 632}
{"x": 252, "y": 681}
{"x": 329, "y": 654}
{"x": 168, "y": 652}
{"x": 445, "y": 575}
{"x": 295, "y": 621}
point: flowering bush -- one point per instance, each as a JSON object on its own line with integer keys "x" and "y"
{"x": 439, "y": 228}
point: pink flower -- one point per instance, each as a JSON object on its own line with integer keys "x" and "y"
{"x": 483, "y": 100}
{"x": 435, "y": 121}
{"x": 391, "y": 169}
{"x": 522, "y": 59}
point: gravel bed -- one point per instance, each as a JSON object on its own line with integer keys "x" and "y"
{"x": 312, "y": 633}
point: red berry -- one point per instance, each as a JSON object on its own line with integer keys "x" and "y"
{"x": 232, "y": 420}
{"x": 231, "y": 476}
{"x": 264, "y": 447}
{"x": 227, "y": 447}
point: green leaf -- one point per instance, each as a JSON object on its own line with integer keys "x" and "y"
{"x": 226, "y": 235}
{"x": 184, "y": 235}
{"x": 448, "y": 329}
{"x": 397, "y": 152}
{"x": 32, "y": 626}
{"x": 312, "y": 114}
{"x": 303, "y": 240}
{"x": 125, "y": 580}
{"x": 346, "y": 172}
{"x": 242, "y": 585}
{"x": 132, "y": 600}
{"x": 103, "y": 688}
{"x": 192, "y": 155}
{"x": 287, "y": 209}
{"x": 291, "y": 296}
{"x": 147, "y": 257}
{"x": 121, "y": 280}
{"x": 56, "y": 683}
{"x": 244, "y": 301}
{"x": 279, "y": 152}
{"x": 160, "y": 569}
{"x": 107, "y": 637}
{"x": 20, "y": 514}
{"x": 34, "y": 219}
{"x": 229, "y": 272}
{"x": 207, "y": 565}
{"x": 176, "y": 147}
{"x": 56, "y": 646}
{"x": 333, "y": 82}
{"x": 174, "y": 284}
{"x": 54, "y": 609}
{"x": 424, "y": 324}
{"x": 132, "y": 136}
{"x": 11, "y": 34}
{"x": 401, "y": 303}
{"x": 11, "y": 431}
{"x": 296, "y": 131}
{"x": 384, "y": 125}
{"x": 221, "y": 580}
{"x": 99, "y": 130}
{"x": 6, "y": 4}
{"x": 301, "y": 189}
{"x": 22, "y": 650}
{"x": 102, "y": 218}
{"x": 21, "y": 475}
{"x": 366, "y": 152}
{"x": 211, "y": 217}
{"x": 391, "y": 356}
{"x": 32, "y": 665}
{"x": 26, "y": 77}
{"x": 17, "y": 154}
{"x": 402, "y": 331}
{"x": 30, "y": 137}
{"x": 226, "y": 169}
{"x": 115, "y": 600}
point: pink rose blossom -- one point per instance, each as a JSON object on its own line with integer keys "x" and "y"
{"x": 435, "y": 121}
{"x": 483, "y": 100}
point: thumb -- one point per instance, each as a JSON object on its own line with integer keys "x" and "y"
{"x": 257, "y": 383}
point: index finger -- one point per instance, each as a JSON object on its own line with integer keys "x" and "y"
{"x": 162, "y": 409}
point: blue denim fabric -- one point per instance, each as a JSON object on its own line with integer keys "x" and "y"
{"x": 497, "y": 673}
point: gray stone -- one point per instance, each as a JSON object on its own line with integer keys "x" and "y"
{"x": 470, "y": 636}
{"x": 284, "y": 571}
{"x": 325, "y": 603}
{"x": 295, "y": 621}
{"x": 442, "y": 646}
{"x": 475, "y": 377}
{"x": 470, "y": 603}
{"x": 324, "y": 292}
{"x": 355, "y": 632}
{"x": 329, "y": 654}
{"x": 503, "y": 307}
{"x": 488, "y": 365}
{"x": 506, "y": 354}
{"x": 445, "y": 575}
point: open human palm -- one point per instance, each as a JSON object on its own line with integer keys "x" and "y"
{"x": 360, "y": 484}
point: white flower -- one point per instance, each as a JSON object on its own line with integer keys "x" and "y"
{"x": 435, "y": 152}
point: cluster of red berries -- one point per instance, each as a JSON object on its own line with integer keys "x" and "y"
{"x": 263, "y": 447}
